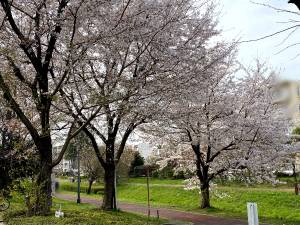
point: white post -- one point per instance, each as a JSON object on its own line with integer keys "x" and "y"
{"x": 252, "y": 213}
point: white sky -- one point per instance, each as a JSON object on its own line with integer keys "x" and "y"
{"x": 246, "y": 20}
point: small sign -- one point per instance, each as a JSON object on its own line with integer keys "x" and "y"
{"x": 252, "y": 213}
{"x": 59, "y": 213}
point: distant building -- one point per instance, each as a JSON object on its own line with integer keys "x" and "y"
{"x": 65, "y": 166}
{"x": 286, "y": 94}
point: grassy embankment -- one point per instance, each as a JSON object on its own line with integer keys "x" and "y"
{"x": 277, "y": 205}
{"x": 83, "y": 214}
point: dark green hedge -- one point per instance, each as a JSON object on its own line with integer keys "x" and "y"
{"x": 72, "y": 187}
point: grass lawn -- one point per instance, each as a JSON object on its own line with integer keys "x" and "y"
{"x": 83, "y": 214}
{"x": 142, "y": 180}
{"x": 276, "y": 205}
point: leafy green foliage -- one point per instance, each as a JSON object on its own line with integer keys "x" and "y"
{"x": 71, "y": 153}
{"x": 296, "y": 131}
{"x": 16, "y": 162}
{"x": 72, "y": 187}
{"x": 138, "y": 160}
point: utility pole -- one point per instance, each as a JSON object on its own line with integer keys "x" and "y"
{"x": 78, "y": 173}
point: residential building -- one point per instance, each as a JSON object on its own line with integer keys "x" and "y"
{"x": 286, "y": 94}
{"x": 65, "y": 166}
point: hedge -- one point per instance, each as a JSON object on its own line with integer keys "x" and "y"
{"x": 72, "y": 187}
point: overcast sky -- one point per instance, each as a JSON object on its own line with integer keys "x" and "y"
{"x": 246, "y": 20}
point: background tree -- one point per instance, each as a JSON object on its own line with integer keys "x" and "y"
{"x": 93, "y": 170}
{"x": 17, "y": 158}
{"x": 71, "y": 152}
{"x": 138, "y": 160}
{"x": 91, "y": 167}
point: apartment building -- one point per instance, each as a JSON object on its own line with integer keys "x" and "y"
{"x": 65, "y": 166}
{"x": 287, "y": 95}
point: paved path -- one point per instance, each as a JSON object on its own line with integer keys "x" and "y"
{"x": 169, "y": 214}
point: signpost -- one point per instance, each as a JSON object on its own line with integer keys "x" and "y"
{"x": 252, "y": 213}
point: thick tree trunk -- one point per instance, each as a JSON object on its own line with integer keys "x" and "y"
{"x": 109, "y": 198}
{"x": 205, "y": 198}
{"x": 90, "y": 186}
{"x": 40, "y": 202}
{"x": 203, "y": 176}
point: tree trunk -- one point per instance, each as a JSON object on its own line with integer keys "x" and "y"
{"x": 90, "y": 186}
{"x": 202, "y": 174}
{"x": 109, "y": 198}
{"x": 297, "y": 185}
{"x": 297, "y": 188}
{"x": 205, "y": 200}
{"x": 40, "y": 202}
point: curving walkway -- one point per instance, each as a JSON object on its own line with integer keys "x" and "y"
{"x": 170, "y": 214}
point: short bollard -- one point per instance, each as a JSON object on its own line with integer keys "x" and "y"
{"x": 252, "y": 213}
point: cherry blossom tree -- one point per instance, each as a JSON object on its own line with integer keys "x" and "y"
{"x": 40, "y": 43}
{"x": 138, "y": 64}
{"x": 226, "y": 123}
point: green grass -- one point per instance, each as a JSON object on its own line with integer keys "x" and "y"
{"x": 143, "y": 180}
{"x": 290, "y": 180}
{"x": 276, "y": 205}
{"x": 83, "y": 214}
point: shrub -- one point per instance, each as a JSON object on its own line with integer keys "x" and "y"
{"x": 72, "y": 187}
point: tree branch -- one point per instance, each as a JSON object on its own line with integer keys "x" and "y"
{"x": 16, "y": 108}
{"x": 95, "y": 146}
